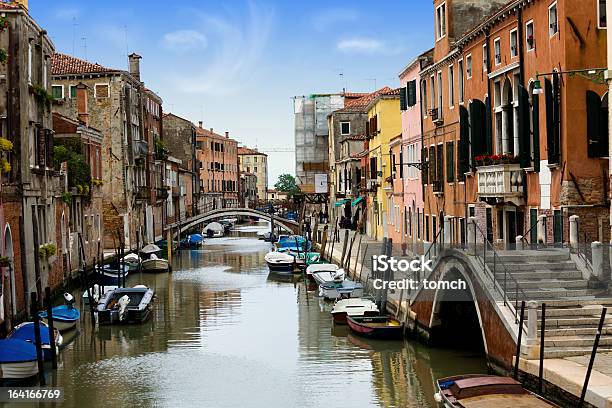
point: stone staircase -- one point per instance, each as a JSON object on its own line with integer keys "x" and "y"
{"x": 573, "y": 309}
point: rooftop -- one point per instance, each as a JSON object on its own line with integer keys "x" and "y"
{"x": 249, "y": 151}
{"x": 62, "y": 64}
{"x": 359, "y": 105}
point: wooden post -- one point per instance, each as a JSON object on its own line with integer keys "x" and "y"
{"x": 37, "y": 340}
{"x": 323, "y": 242}
{"x": 315, "y": 230}
{"x": 86, "y": 282}
{"x": 365, "y": 252}
{"x": 348, "y": 267}
{"x": 51, "y": 329}
{"x": 347, "y": 262}
{"x": 344, "y": 245}
{"x": 169, "y": 242}
{"x": 331, "y": 251}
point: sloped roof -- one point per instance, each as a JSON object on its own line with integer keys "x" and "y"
{"x": 62, "y": 64}
{"x": 246, "y": 150}
{"x": 360, "y": 104}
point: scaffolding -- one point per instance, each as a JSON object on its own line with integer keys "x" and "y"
{"x": 311, "y": 136}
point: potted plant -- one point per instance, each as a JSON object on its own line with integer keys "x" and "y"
{"x": 42, "y": 251}
{"x": 51, "y": 249}
{"x": 4, "y": 261}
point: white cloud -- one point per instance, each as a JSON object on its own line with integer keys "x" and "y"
{"x": 235, "y": 49}
{"x": 185, "y": 40}
{"x": 361, "y": 45}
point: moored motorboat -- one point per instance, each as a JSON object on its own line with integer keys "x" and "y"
{"x": 477, "y": 390}
{"x": 192, "y": 241}
{"x": 65, "y": 317}
{"x": 18, "y": 359}
{"x": 280, "y": 261}
{"x": 375, "y": 327}
{"x": 125, "y": 305}
{"x": 354, "y": 307}
{"x": 214, "y": 230}
{"x": 132, "y": 261}
{"x": 155, "y": 264}
{"x": 110, "y": 275}
{"x": 324, "y": 277}
{"x": 25, "y": 332}
{"x": 321, "y": 267}
{"x": 96, "y": 291}
{"x": 338, "y": 290}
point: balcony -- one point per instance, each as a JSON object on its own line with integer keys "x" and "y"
{"x": 436, "y": 116}
{"x": 437, "y": 187}
{"x": 141, "y": 149}
{"x": 143, "y": 193}
{"x": 501, "y": 183}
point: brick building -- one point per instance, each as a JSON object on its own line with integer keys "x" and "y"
{"x": 498, "y": 138}
{"x": 219, "y": 173}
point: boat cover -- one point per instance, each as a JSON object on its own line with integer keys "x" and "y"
{"x": 16, "y": 351}
{"x": 63, "y": 312}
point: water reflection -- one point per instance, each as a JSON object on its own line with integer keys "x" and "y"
{"x": 226, "y": 333}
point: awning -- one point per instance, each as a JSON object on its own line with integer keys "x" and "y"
{"x": 357, "y": 201}
{"x": 342, "y": 202}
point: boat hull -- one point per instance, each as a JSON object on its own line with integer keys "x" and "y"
{"x": 281, "y": 266}
{"x": 111, "y": 317}
{"x": 365, "y": 326}
{"x": 341, "y": 318}
{"x": 138, "y": 311}
{"x": 110, "y": 277}
{"x": 155, "y": 265}
{"x": 62, "y": 325}
{"x": 19, "y": 370}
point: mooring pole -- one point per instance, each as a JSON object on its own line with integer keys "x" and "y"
{"x": 365, "y": 252}
{"x": 518, "y": 341}
{"x": 86, "y": 282}
{"x": 593, "y": 354}
{"x": 51, "y": 328}
{"x": 542, "y": 328}
{"x": 37, "y": 340}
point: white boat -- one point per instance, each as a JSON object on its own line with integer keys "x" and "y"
{"x": 280, "y": 261}
{"x": 155, "y": 264}
{"x": 132, "y": 261}
{"x": 25, "y": 331}
{"x": 328, "y": 276}
{"x": 214, "y": 230}
{"x": 341, "y": 290}
{"x": 96, "y": 292}
{"x": 324, "y": 267}
{"x": 353, "y": 307}
{"x": 17, "y": 359}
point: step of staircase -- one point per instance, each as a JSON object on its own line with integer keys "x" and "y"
{"x": 549, "y": 284}
{"x": 546, "y": 274}
{"x": 569, "y": 322}
{"x": 576, "y": 341}
{"x": 528, "y": 256}
{"x": 588, "y": 311}
{"x": 576, "y": 331}
{"x": 560, "y": 352}
{"x": 514, "y": 267}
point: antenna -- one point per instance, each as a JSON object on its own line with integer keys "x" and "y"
{"x": 84, "y": 40}
{"x": 127, "y": 48}
{"x": 372, "y": 79}
{"x": 74, "y": 26}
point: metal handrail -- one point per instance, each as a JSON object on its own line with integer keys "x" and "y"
{"x": 525, "y": 235}
{"x": 582, "y": 253}
{"x": 500, "y": 286}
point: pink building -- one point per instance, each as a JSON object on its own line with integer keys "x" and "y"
{"x": 412, "y": 213}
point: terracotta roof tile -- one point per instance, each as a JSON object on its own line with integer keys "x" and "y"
{"x": 360, "y": 104}
{"x": 62, "y": 64}
{"x": 246, "y": 150}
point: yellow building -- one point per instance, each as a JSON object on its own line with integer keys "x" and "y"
{"x": 384, "y": 124}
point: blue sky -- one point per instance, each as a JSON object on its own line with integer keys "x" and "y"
{"x": 236, "y": 64}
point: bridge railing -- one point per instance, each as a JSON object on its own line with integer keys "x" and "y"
{"x": 503, "y": 281}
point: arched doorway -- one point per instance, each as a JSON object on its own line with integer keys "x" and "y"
{"x": 455, "y": 321}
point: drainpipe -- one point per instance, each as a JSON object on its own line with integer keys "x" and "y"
{"x": 608, "y": 76}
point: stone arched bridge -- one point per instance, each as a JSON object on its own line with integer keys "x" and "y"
{"x": 184, "y": 225}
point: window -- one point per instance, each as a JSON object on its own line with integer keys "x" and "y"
{"x": 345, "y": 128}
{"x": 602, "y": 17}
{"x": 553, "y": 23}
{"x": 485, "y": 58}
{"x": 432, "y": 97}
{"x": 57, "y": 91}
{"x": 461, "y": 81}
{"x": 439, "y": 94}
{"x": 468, "y": 66}
{"x": 411, "y": 93}
{"x": 450, "y": 162}
{"x": 101, "y": 91}
{"x": 514, "y": 43}
{"x": 73, "y": 91}
{"x": 30, "y": 63}
{"x": 529, "y": 36}
{"x": 424, "y": 95}
{"x": 451, "y": 86}
{"x": 441, "y": 21}
{"x": 44, "y": 83}
{"x": 497, "y": 50}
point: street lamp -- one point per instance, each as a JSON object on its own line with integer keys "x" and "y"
{"x": 537, "y": 87}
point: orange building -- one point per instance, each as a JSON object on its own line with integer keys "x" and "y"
{"x": 219, "y": 175}
{"x": 515, "y": 125}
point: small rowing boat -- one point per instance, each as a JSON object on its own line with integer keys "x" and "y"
{"x": 341, "y": 290}
{"x": 375, "y": 327}
{"x": 480, "y": 391}
{"x": 354, "y": 307}
{"x": 280, "y": 261}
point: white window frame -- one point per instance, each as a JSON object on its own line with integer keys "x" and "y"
{"x": 432, "y": 95}
{"x": 349, "y": 128}
{"x": 532, "y": 24}
{"x": 30, "y": 55}
{"x": 441, "y": 93}
{"x": 550, "y": 8}
{"x": 496, "y": 46}
{"x": 461, "y": 81}
{"x": 514, "y": 33}
{"x": 599, "y": 26}
{"x": 96, "y": 90}
{"x": 440, "y": 24}
{"x": 451, "y": 86}
{"x": 468, "y": 66}
{"x": 70, "y": 91}
{"x": 485, "y": 57}
{"x": 58, "y": 86}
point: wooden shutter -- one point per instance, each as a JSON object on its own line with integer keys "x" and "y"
{"x": 550, "y": 123}
{"x": 553, "y": 118}
{"x": 464, "y": 142}
{"x": 403, "y": 99}
{"x": 401, "y": 162}
{"x": 412, "y": 93}
{"x": 450, "y": 162}
{"x": 535, "y": 132}
{"x": 41, "y": 141}
{"x": 488, "y": 118}
{"x": 425, "y": 170}
{"x": 478, "y": 141}
{"x": 524, "y": 128}
{"x": 440, "y": 170}
{"x": 597, "y": 126}
{"x": 49, "y": 148}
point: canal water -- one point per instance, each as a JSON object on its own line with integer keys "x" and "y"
{"x": 226, "y": 333}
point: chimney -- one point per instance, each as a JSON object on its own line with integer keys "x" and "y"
{"x": 211, "y": 130}
{"x": 200, "y": 123}
{"x": 81, "y": 103}
{"x": 135, "y": 65}
{"x": 227, "y": 135}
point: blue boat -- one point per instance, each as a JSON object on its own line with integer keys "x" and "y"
{"x": 293, "y": 242}
{"x": 65, "y": 317}
{"x": 192, "y": 241}
{"x": 110, "y": 275}
{"x": 17, "y": 359}
{"x": 25, "y": 332}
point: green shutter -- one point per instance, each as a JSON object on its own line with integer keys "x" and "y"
{"x": 524, "y": 128}
{"x": 412, "y": 97}
{"x": 424, "y": 170}
{"x": 403, "y": 98}
{"x": 464, "y": 142}
{"x": 478, "y": 142}
{"x": 550, "y": 121}
{"x": 450, "y": 162}
{"x": 536, "y": 132}
{"x": 593, "y": 108}
{"x": 488, "y": 127}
